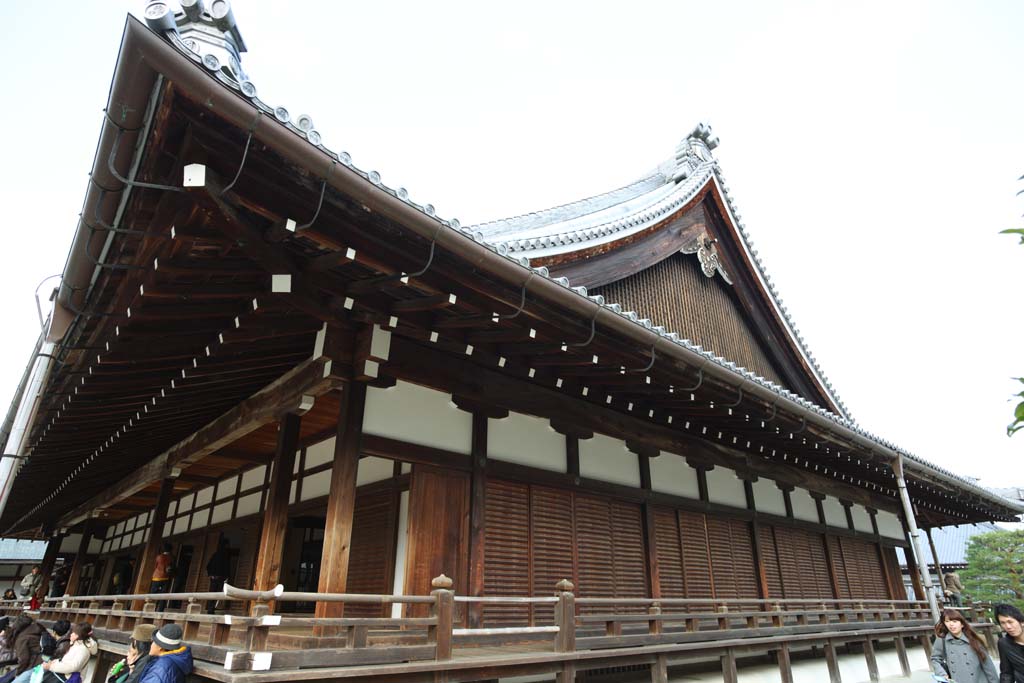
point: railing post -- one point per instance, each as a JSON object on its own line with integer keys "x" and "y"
{"x": 443, "y": 610}
{"x": 777, "y": 618}
{"x": 823, "y": 617}
{"x": 659, "y": 669}
{"x": 191, "y": 630}
{"x": 148, "y": 612}
{"x": 116, "y": 620}
{"x": 860, "y": 614}
{"x": 723, "y": 622}
{"x": 257, "y": 634}
{"x": 785, "y": 666}
{"x": 729, "y": 673}
{"x": 565, "y": 620}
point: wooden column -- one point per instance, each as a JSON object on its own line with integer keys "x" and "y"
{"x": 147, "y": 560}
{"x": 342, "y": 501}
{"x": 755, "y": 530}
{"x": 477, "y": 511}
{"x": 912, "y": 569}
{"x": 935, "y": 558}
{"x": 572, "y": 457}
{"x": 275, "y": 512}
{"x": 83, "y": 550}
{"x": 49, "y": 560}
{"x": 650, "y": 536}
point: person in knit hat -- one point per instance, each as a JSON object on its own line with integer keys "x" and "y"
{"x": 131, "y": 668}
{"x": 170, "y": 659}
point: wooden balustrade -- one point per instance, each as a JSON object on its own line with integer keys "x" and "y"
{"x": 584, "y": 629}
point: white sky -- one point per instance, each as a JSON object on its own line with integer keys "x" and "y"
{"x": 873, "y": 149}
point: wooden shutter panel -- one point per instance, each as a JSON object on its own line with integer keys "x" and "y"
{"x": 506, "y": 551}
{"x": 770, "y": 559}
{"x": 553, "y": 539}
{"x": 839, "y": 567}
{"x": 371, "y": 564}
{"x": 247, "y": 550}
{"x": 696, "y": 562}
{"x": 628, "y": 558}
{"x": 895, "y": 575}
{"x": 858, "y": 587}
{"x": 789, "y": 566}
{"x": 594, "y": 548}
{"x": 722, "y": 571}
{"x": 815, "y": 544}
{"x": 743, "y": 566}
{"x": 670, "y": 552}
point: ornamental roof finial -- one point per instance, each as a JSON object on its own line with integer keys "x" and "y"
{"x": 212, "y": 33}
{"x": 694, "y": 150}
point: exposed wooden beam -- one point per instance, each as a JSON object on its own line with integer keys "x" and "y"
{"x": 313, "y": 377}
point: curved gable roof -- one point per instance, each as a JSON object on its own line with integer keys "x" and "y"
{"x": 608, "y": 222}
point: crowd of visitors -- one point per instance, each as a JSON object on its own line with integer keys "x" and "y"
{"x": 66, "y": 653}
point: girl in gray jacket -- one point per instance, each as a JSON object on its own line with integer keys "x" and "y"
{"x": 959, "y": 653}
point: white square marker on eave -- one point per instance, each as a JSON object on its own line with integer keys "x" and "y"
{"x": 195, "y": 175}
{"x": 281, "y": 283}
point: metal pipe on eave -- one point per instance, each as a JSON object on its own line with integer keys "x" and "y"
{"x": 143, "y": 46}
{"x": 915, "y": 537}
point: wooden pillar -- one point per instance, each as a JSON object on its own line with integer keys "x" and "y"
{"x": 572, "y": 457}
{"x": 342, "y": 501}
{"x": 935, "y": 558}
{"x": 49, "y": 560}
{"x": 755, "y": 531}
{"x": 147, "y": 560}
{"x": 83, "y": 550}
{"x": 275, "y": 512}
{"x": 650, "y": 535}
{"x": 901, "y": 653}
{"x": 832, "y": 660}
{"x": 785, "y": 665}
{"x": 477, "y": 511}
{"x": 871, "y": 660}
{"x": 912, "y": 569}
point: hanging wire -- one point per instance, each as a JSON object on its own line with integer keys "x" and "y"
{"x": 650, "y": 365}
{"x": 319, "y": 205}
{"x": 775, "y": 412}
{"x": 593, "y": 331}
{"x": 125, "y": 181}
{"x": 522, "y": 299}
{"x": 245, "y": 152}
{"x": 695, "y": 387}
{"x": 739, "y": 399}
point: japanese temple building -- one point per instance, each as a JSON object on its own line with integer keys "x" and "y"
{"x": 256, "y": 340}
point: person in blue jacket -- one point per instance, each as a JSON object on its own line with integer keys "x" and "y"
{"x": 170, "y": 660}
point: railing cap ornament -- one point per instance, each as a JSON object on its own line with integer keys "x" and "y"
{"x": 442, "y": 582}
{"x": 565, "y": 585}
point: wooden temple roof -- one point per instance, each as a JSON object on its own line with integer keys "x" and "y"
{"x": 178, "y": 304}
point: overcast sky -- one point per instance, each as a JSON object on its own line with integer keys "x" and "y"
{"x": 873, "y": 150}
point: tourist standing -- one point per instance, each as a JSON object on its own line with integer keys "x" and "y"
{"x": 1011, "y": 645}
{"x": 959, "y": 653}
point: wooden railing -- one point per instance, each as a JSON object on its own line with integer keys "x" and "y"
{"x": 582, "y": 633}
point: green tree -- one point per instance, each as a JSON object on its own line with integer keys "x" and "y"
{"x": 995, "y": 567}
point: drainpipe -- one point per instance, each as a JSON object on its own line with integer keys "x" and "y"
{"x": 915, "y": 536}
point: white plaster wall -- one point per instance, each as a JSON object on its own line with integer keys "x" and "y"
{"x": 254, "y": 478}
{"x": 400, "y": 552}
{"x": 373, "y": 469}
{"x": 316, "y": 485}
{"x": 889, "y": 525}
{"x": 768, "y": 498}
{"x": 249, "y": 505}
{"x": 201, "y": 519}
{"x": 861, "y": 519}
{"x": 95, "y": 546}
{"x": 526, "y": 440}
{"x": 221, "y": 513}
{"x": 835, "y": 515}
{"x": 671, "y": 474}
{"x": 168, "y": 527}
{"x": 139, "y": 537}
{"x": 725, "y": 488}
{"x": 180, "y": 525}
{"x": 412, "y": 413}
{"x": 804, "y": 506}
{"x": 227, "y": 487}
{"x": 291, "y": 496}
{"x": 320, "y": 453}
{"x": 607, "y": 459}
{"x": 204, "y": 496}
{"x": 185, "y": 504}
